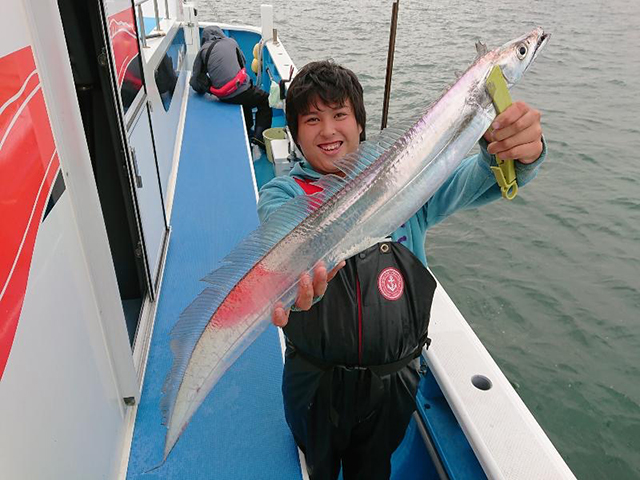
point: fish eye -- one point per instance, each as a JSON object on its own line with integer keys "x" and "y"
{"x": 521, "y": 51}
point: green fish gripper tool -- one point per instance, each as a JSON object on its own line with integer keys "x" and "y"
{"x": 505, "y": 172}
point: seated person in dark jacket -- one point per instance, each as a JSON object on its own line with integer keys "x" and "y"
{"x": 225, "y": 65}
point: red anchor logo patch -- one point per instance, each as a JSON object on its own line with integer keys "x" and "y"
{"x": 390, "y": 283}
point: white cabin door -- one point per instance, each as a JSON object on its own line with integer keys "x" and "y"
{"x": 147, "y": 191}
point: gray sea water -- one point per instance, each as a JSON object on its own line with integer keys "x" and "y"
{"x": 551, "y": 281}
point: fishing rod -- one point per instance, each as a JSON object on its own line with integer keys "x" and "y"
{"x": 392, "y": 47}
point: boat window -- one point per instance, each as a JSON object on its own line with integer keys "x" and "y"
{"x": 126, "y": 52}
{"x": 168, "y": 71}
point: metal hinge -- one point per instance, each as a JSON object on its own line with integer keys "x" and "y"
{"x": 102, "y": 58}
{"x": 136, "y": 172}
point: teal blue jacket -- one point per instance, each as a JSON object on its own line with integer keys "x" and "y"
{"x": 472, "y": 184}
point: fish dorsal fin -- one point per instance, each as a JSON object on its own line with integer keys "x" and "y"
{"x": 481, "y": 48}
{"x": 369, "y": 151}
{"x": 195, "y": 318}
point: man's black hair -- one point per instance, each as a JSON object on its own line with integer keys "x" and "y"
{"x": 328, "y": 82}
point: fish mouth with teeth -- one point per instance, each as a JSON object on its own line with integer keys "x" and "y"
{"x": 542, "y": 41}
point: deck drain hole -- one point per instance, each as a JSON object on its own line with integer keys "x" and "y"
{"x": 481, "y": 382}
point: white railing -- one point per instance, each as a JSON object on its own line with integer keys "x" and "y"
{"x": 157, "y": 32}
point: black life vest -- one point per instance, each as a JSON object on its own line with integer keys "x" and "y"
{"x": 375, "y": 311}
{"x": 373, "y": 317}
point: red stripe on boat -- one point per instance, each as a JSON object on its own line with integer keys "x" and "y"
{"x": 124, "y": 41}
{"x": 28, "y": 165}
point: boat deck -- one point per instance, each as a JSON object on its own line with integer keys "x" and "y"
{"x": 239, "y": 431}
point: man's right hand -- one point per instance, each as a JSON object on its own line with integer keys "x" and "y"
{"x": 307, "y": 291}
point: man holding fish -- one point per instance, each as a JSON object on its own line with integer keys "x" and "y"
{"x": 351, "y": 368}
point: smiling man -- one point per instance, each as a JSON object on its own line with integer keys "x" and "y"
{"x": 351, "y": 368}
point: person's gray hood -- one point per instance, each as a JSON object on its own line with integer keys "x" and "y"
{"x": 212, "y": 33}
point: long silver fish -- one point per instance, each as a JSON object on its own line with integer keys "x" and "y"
{"x": 385, "y": 182}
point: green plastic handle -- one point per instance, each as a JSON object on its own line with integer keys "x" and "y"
{"x": 505, "y": 172}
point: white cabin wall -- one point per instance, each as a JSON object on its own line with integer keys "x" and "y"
{"x": 62, "y": 413}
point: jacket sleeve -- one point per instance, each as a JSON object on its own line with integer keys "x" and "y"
{"x": 275, "y": 194}
{"x": 473, "y": 184}
{"x": 197, "y": 67}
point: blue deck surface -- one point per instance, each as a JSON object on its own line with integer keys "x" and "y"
{"x": 149, "y": 24}
{"x": 453, "y": 448}
{"x": 239, "y": 432}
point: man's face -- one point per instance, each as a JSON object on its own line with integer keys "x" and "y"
{"x": 327, "y": 133}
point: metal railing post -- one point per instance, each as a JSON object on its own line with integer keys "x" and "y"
{"x": 155, "y": 9}
{"x": 143, "y": 34}
{"x": 157, "y": 32}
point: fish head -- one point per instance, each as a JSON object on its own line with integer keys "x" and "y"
{"x": 515, "y": 57}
